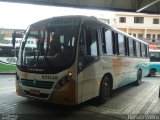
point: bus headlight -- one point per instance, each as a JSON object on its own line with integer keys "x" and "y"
{"x": 64, "y": 80}
{"x": 69, "y": 74}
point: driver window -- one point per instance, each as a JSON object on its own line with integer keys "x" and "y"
{"x": 55, "y": 45}
{"x": 88, "y": 50}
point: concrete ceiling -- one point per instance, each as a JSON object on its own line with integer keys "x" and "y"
{"x": 144, "y": 6}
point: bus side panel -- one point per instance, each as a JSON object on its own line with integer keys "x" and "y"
{"x": 117, "y": 68}
{"x": 133, "y": 70}
{"x": 121, "y": 68}
{"x": 90, "y": 78}
{"x": 121, "y": 71}
{"x": 145, "y": 67}
{"x": 124, "y": 69}
{"x": 131, "y": 66}
{"x": 88, "y": 82}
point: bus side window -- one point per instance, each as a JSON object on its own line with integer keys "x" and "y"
{"x": 121, "y": 44}
{"x": 143, "y": 50}
{"x": 134, "y": 48}
{"x": 88, "y": 49}
{"x": 92, "y": 42}
{"x": 146, "y": 51}
{"x": 138, "y": 49}
{"x": 107, "y": 42}
{"x": 114, "y": 43}
{"x": 126, "y": 44}
{"x": 104, "y": 41}
{"x": 130, "y": 47}
{"x": 88, "y": 42}
{"x": 81, "y": 51}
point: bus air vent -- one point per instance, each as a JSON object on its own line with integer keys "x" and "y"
{"x": 37, "y": 83}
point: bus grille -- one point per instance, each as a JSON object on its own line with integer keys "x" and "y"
{"x": 37, "y": 83}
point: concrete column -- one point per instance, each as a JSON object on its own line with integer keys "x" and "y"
{"x": 145, "y": 33}
{"x": 127, "y": 30}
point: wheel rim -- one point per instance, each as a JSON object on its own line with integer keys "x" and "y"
{"x": 106, "y": 89}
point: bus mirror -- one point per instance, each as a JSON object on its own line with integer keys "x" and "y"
{"x": 13, "y": 38}
{"x": 16, "y": 35}
{"x": 23, "y": 44}
{"x": 80, "y": 65}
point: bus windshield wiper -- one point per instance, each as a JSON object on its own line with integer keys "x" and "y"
{"x": 41, "y": 50}
{"x": 39, "y": 47}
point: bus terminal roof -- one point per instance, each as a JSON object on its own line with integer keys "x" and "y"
{"x": 145, "y": 6}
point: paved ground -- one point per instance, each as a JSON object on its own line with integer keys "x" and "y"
{"x": 129, "y": 102}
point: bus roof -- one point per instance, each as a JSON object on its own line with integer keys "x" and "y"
{"x": 92, "y": 18}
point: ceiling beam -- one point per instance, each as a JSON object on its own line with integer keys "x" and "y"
{"x": 112, "y": 5}
{"x": 138, "y": 3}
{"x": 146, "y": 6}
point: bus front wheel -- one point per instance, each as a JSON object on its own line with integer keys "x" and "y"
{"x": 105, "y": 90}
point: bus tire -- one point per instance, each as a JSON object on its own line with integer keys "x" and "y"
{"x": 152, "y": 73}
{"x": 105, "y": 90}
{"x": 139, "y": 77}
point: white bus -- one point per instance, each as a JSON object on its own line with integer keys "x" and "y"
{"x": 8, "y": 55}
{"x": 77, "y": 58}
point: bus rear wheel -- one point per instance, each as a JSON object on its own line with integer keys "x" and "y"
{"x": 152, "y": 73}
{"x": 105, "y": 90}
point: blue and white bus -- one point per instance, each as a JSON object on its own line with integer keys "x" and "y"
{"x": 154, "y": 66}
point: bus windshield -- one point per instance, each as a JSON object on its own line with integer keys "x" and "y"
{"x": 154, "y": 56}
{"x": 7, "y": 51}
{"x": 48, "y": 48}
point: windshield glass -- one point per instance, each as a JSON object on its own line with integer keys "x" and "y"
{"x": 154, "y": 56}
{"x": 49, "y": 47}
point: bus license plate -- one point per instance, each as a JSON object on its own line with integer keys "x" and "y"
{"x": 35, "y": 92}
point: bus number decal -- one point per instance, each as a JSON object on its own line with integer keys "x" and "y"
{"x": 49, "y": 77}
